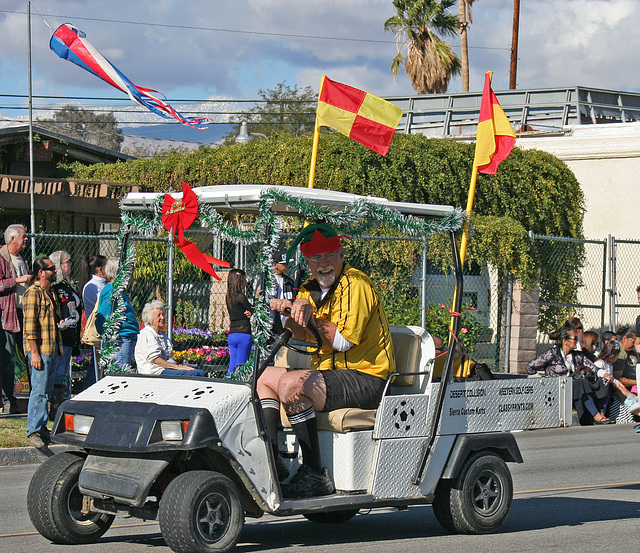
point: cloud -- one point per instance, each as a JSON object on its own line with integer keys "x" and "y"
{"x": 201, "y": 48}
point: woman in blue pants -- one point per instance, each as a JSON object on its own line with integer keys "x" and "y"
{"x": 240, "y": 311}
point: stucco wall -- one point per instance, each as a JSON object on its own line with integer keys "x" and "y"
{"x": 606, "y": 162}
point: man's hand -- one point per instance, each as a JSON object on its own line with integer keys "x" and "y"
{"x": 280, "y": 305}
{"x": 301, "y": 312}
{"x": 36, "y": 361}
{"x": 22, "y": 279}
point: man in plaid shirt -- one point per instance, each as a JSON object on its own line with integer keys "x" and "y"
{"x": 42, "y": 344}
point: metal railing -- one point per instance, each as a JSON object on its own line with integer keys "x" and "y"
{"x": 537, "y": 111}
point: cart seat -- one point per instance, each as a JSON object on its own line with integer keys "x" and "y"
{"x": 407, "y": 346}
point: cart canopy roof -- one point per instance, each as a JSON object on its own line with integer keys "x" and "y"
{"x": 245, "y": 198}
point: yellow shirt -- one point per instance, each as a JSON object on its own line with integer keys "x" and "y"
{"x": 354, "y": 306}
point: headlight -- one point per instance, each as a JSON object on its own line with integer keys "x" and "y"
{"x": 80, "y": 424}
{"x": 173, "y": 430}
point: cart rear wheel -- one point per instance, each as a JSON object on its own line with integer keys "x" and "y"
{"x": 333, "y": 517}
{"x": 201, "y": 511}
{"x": 54, "y": 503}
{"x": 479, "y": 500}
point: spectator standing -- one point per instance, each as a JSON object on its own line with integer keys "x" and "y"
{"x": 70, "y": 308}
{"x": 154, "y": 351}
{"x": 240, "y": 310}
{"x": 14, "y": 276}
{"x": 129, "y": 329}
{"x": 284, "y": 289}
{"x": 42, "y": 345}
{"x": 93, "y": 280}
{"x": 637, "y": 328}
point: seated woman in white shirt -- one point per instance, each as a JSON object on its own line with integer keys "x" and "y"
{"x": 154, "y": 351}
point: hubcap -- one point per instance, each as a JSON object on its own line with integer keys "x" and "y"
{"x": 487, "y": 492}
{"x": 213, "y": 516}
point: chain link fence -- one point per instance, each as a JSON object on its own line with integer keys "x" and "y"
{"x": 410, "y": 285}
{"x": 625, "y": 279}
{"x": 594, "y": 280}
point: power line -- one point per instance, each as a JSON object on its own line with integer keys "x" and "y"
{"x": 127, "y": 99}
{"x": 235, "y": 31}
{"x": 173, "y": 100}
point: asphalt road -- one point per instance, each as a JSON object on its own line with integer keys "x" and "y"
{"x": 577, "y": 491}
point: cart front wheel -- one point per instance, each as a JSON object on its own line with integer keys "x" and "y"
{"x": 55, "y": 505}
{"x": 201, "y": 511}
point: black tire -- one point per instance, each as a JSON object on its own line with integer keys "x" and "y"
{"x": 442, "y": 505}
{"x": 201, "y": 512}
{"x": 54, "y": 503}
{"x": 479, "y": 500}
{"x": 332, "y": 517}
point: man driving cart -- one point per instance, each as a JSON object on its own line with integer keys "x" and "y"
{"x": 349, "y": 371}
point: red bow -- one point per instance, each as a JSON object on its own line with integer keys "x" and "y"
{"x": 178, "y": 215}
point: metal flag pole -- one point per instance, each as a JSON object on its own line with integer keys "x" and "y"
{"x": 31, "y": 184}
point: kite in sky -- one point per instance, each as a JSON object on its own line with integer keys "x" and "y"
{"x": 71, "y": 44}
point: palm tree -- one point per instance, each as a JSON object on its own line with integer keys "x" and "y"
{"x": 430, "y": 62}
{"x": 465, "y": 17}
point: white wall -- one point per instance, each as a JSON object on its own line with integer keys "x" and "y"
{"x": 606, "y": 161}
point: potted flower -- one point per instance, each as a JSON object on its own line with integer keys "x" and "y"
{"x": 438, "y": 321}
{"x": 213, "y": 360}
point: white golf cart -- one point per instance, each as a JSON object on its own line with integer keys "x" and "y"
{"x": 193, "y": 453}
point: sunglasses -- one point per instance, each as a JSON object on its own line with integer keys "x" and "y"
{"x": 52, "y": 269}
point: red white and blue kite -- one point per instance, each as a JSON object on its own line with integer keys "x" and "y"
{"x": 70, "y": 44}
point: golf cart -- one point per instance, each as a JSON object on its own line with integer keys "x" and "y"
{"x": 193, "y": 452}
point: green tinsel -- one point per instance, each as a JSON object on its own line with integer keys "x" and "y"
{"x": 358, "y": 219}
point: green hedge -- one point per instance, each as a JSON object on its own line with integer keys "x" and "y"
{"x": 533, "y": 190}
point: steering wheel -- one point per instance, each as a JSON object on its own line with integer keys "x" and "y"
{"x": 302, "y": 346}
{"x": 299, "y": 346}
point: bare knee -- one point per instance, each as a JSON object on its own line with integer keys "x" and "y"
{"x": 290, "y": 386}
{"x": 267, "y": 385}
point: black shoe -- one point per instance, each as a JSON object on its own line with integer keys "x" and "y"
{"x": 308, "y": 483}
{"x": 45, "y": 435}
{"x": 15, "y": 410}
{"x": 281, "y": 468}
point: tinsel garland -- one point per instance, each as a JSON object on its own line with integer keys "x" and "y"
{"x": 357, "y": 219}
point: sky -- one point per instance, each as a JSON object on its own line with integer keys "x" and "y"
{"x": 222, "y": 50}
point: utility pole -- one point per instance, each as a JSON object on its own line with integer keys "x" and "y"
{"x": 514, "y": 45}
{"x": 31, "y": 183}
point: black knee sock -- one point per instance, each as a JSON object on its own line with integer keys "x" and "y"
{"x": 305, "y": 428}
{"x": 271, "y": 410}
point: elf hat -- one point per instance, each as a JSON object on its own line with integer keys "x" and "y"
{"x": 316, "y": 239}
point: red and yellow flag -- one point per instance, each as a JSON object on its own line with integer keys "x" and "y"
{"x": 495, "y": 138}
{"x": 361, "y": 116}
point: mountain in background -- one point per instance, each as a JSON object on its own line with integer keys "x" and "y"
{"x": 175, "y": 131}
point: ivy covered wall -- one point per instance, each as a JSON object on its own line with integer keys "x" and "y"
{"x": 533, "y": 190}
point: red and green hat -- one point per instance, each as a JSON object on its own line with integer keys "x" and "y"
{"x": 317, "y": 239}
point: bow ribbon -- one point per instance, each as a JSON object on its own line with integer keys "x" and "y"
{"x": 178, "y": 215}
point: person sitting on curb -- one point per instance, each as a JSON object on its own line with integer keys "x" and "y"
{"x": 605, "y": 361}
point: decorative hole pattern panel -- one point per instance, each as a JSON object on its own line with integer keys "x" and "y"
{"x": 222, "y": 399}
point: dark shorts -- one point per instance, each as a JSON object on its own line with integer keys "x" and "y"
{"x": 351, "y": 388}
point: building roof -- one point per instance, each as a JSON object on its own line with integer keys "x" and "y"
{"x": 78, "y": 149}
